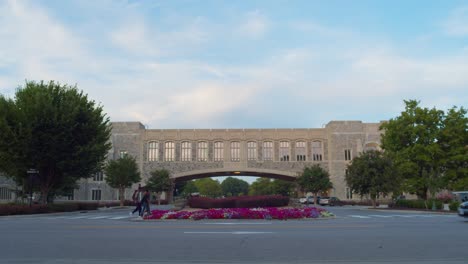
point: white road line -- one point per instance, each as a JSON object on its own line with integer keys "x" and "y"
{"x": 99, "y": 217}
{"x": 120, "y": 217}
{"x": 382, "y": 216}
{"x": 229, "y": 223}
{"x": 77, "y": 217}
{"x": 359, "y": 216}
{"x": 233, "y": 233}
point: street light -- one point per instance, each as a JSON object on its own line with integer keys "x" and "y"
{"x": 31, "y": 176}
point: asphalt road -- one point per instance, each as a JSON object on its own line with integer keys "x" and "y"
{"x": 356, "y": 235}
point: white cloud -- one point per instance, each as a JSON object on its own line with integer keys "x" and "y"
{"x": 457, "y": 23}
{"x": 133, "y": 36}
{"x": 148, "y": 81}
{"x": 255, "y": 24}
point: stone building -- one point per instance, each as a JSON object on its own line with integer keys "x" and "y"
{"x": 275, "y": 153}
{"x": 198, "y": 153}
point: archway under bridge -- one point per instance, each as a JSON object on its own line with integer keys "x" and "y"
{"x": 272, "y": 174}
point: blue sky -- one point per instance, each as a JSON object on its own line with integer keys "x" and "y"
{"x": 241, "y": 64}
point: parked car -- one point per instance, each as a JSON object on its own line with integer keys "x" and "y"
{"x": 309, "y": 200}
{"x": 325, "y": 200}
{"x": 332, "y": 201}
{"x": 463, "y": 209}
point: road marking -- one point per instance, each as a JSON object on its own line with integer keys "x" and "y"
{"x": 78, "y": 217}
{"x": 99, "y": 217}
{"x": 359, "y": 216}
{"x": 231, "y": 223}
{"x": 120, "y": 217}
{"x": 382, "y": 216}
{"x": 233, "y": 233}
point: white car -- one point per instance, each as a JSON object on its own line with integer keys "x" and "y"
{"x": 463, "y": 209}
{"x": 309, "y": 200}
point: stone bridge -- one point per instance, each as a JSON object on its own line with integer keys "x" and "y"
{"x": 274, "y": 153}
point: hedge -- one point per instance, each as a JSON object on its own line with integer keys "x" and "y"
{"x": 418, "y": 204}
{"x": 238, "y": 202}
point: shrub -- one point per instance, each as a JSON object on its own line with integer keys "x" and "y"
{"x": 444, "y": 197}
{"x": 239, "y": 202}
{"x": 418, "y": 204}
{"x": 453, "y": 206}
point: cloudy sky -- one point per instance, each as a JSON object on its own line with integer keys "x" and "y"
{"x": 241, "y": 64}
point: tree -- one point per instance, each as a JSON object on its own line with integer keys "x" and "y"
{"x": 54, "y": 129}
{"x": 428, "y": 147}
{"x": 314, "y": 179}
{"x": 190, "y": 188}
{"x": 234, "y": 187}
{"x": 454, "y": 144}
{"x": 261, "y": 186}
{"x": 160, "y": 181}
{"x": 373, "y": 174}
{"x": 282, "y": 187}
{"x": 122, "y": 173}
{"x": 209, "y": 187}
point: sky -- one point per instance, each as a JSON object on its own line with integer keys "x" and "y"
{"x": 241, "y": 64}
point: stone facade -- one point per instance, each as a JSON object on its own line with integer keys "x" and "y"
{"x": 338, "y": 141}
{"x": 335, "y": 138}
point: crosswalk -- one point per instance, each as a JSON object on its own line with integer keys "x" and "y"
{"x": 127, "y": 217}
{"x": 93, "y": 217}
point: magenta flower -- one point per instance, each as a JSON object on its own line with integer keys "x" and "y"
{"x": 242, "y": 213}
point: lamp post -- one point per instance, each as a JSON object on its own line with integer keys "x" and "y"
{"x": 31, "y": 176}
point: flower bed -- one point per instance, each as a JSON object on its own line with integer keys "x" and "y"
{"x": 242, "y": 213}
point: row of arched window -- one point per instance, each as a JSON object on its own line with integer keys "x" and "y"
{"x": 201, "y": 151}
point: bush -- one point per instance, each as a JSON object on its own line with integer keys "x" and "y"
{"x": 453, "y": 206}
{"x": 360, "y": 202}
{"x": 445, "y": 197}
{"x": 418, "y": 204}
{"x": 239, "y": 202}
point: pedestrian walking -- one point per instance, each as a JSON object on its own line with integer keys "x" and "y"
{"x": 145, "y": 202}
{"x": 136, "y": 197}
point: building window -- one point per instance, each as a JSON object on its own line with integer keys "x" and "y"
{"x": 235, "y": 151}
{"x": 123, "y": 153}
{"x": 98, "y": 176}
{"x": 96, "y": 195}
{"x": 5, "y": 194}
{"x": 349, "y": 193}
{"x": 218, "y": 151}
{"x": 267, "y": 150}
{"x": 347, "y": 154}
{"x": 169, "y": 151}
{"x": 284, "y": 151}
{"x": 186, "y": 151}
{"x": 153, "y": 151}
{"x": 317, "y": 150}
{"x": 252, "y": 150}
{"x": 300, "y": 151}
{"x": 203, "y": 151}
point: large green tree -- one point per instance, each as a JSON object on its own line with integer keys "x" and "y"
{"x": 189, "y": 188}
{"x": 209, "y": 187}
{"x": 428, "y": 147}
{"x": 159, "y": 181}
{"x": 261, "y": 186}
{"x": 282, "y": 187}
{"x": 372, "y": 173}
{"x": 54, "y": 129}
{"x": 122, "y": 173}
{"x": 453, "y": 140}
{"x": 314, "y": 179}
{"x": 233, "y": 187}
